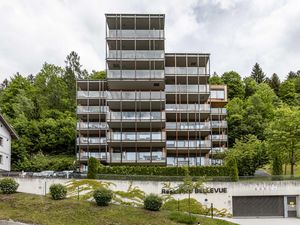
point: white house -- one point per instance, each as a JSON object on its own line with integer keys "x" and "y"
{"x": 7, "y": 133}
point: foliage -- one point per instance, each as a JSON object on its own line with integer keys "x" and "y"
{"x": 103, "y": 196}
{"x": 288, "y": 93}
{"x": 164, "y": 171}
{"x": 250, "y": 154}
{"x": 58, "y": 191}
{"x": 8, "y": 186}
{"x": 182, "y": 218}
{"x": 39, "y": 162}
{"x": 215, "y": 79}
{"x": 283, "y": 135}
{"x": 257, "y": 74}
{"x": 97, "y": 75}
{"x": 93, "y": 166}
{"x": 234, "y": 83}
{"x": 250, "y": 86}
{"x": 153, "y": 202}
{"x": 277, "y": 165}
{"x": 233, "y": 168}
{"x": 274, "y": 83}
{"x": 133, "y": 196}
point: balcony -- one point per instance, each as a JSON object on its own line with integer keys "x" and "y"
{"x": 97, "y": 155}
{"x": 218, "y": 150}
{"x": 187, "y": 88}
{"x": 135, "y": 74}
{"x": 218, "y": 111}
{"x": 145, "y": 34}
{"x": 185, "y": 161}
{"x": 187, "y": 126}
{"x": 135, "y": 96}
{"x": 138, "y": 157}
{"x": 184, "y": 144}
{"x": 91, "y": 94}
{"x": 91, "y": 109}
{"x": 91, "y": 140}
{"x": 135, "y": 54}
{"x": 217, "y": 137}
{"x": 91, "y": 126}
{"x": 219, "y": 124}
{"x": 136, "y": 136}
{"x": 136, "y": 116}
{"x": 198, "y": 108}
{"x": 186, "y": 71}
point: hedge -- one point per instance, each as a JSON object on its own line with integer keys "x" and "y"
{"x": 208, "y": 171}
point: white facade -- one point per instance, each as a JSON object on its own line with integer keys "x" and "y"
{"x": 5, "y": 148}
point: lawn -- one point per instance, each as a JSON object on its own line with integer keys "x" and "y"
{"x": 268, "y": 169}
{"x": 45, "y": 211}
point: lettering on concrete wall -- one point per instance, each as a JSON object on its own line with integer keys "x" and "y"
{"x": 196, "y": 191}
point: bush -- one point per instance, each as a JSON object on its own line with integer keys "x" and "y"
{"x": 183, "y": 206}
{"x": 103, "y": 196}
{"x": 231, "y": 164}
{"x": 8, "y": 186}
{"x": 277, "y": 166}
{"x": 58, "y": 191}
{"x": 182, "y": 218}
{"x": 208, "y": 171}
{"x": 93, "y": 166}
{"x": 153, "y": 202}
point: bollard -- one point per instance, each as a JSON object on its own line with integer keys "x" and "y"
{"x": 212, "y": 210}
{"x": 78, "y": 193}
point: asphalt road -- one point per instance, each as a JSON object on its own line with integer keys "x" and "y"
{"x": 266, "y": 221}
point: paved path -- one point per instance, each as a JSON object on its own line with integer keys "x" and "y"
{"x": 266, "y": 221}
{"x": 4, "y": 222}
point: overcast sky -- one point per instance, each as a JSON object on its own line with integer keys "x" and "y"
{"x": 236, "y": 33}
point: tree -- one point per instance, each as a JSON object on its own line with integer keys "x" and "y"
{"x": 292, "y": 75}
{"x": 287, "y": 92}
{"x": 250, "y": 154}
{"x": 235, "y": 85}
{"x": 250, "y": 86}
{"x": 257, "y": 74}
{"x": 93, "y": 165}
{"x": 274, "y": 83}
{"x": 215, "y": 79}
{"x": 231, "y": 164}
{"x": 283, "y": 135}
{"x": 97, "y": 75}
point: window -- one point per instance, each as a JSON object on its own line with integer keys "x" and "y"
{"x": 1, "y": 141}
{"x": 1, "y": 159}
{"x": 217, "y": 94}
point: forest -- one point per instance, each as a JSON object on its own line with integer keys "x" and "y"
{"x": 263, "y": 117}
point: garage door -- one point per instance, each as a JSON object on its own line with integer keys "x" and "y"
{"x": 244, "y": 206}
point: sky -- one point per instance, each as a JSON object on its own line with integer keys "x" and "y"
{"x": 237, "y": 33}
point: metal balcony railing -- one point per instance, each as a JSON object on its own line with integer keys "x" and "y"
{"x": 188, "y": 144}
{"x": 91, "y": 125}
{"x": 135, "y": 34}
{"x": 181, "y": 88}
{"x": 91, "y": 140}
{"x": 135, "y": 116}
{"x": 188, "y": 108}
{"x": 136, "y": 136}
{"x": 91, "y": 109}
{"x": 136, "y": 54}
{"x": 188, "y": 125}
{"x": 91, "y": 94}
{"x": 135, "y": 96}
{"x": 186, "y": 71}
{"x": 135, "y": 74}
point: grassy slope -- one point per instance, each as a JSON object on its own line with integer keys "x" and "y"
{"x": 268, "y": 169}
{"x": 41, "y": 210}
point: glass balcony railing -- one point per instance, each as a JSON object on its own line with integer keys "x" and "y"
{"x": 97, "y": 155}
{"x": 135, "y": 74}
{"x": 136, "y": 116}
{"x": 136, "y": 54}
{"x": 91, "y": 94}
{"x": 219, "y": 124}
{"x": 186, "y": 71}
{"x": 91, "y": 109}
{"x": 135, "y": 96}
{"x": 219, "y": 111}
{"x": 137, "y": 136}
{"x": 91, "y": 125}
{"x": 218, "y": 137}
{"x": 185, "y": 161}
{"x": 91, "y": 140}
{"x": 188, "y": 126}
{"x": 188, "y": 108}
{"x": 187, "y": 88}
{"x": 138, "y": 156}
{"x": 188, "y": 144}
{"x": 218, "y": 150}
{"x": 135, "y": 34}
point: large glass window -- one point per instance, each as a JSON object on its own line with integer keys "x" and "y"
{"x": 219, "y": 94}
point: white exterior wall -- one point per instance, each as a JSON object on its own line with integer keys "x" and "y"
{"x": 219, "y": 200}
{"x": 5, "y": 148}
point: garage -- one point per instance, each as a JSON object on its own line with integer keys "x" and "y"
{"x": 256, "y": 206}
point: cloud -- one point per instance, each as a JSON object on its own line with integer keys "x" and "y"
{"x": 236, "y": 33}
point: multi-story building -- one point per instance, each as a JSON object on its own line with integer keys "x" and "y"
{"x": 153, "y": 107}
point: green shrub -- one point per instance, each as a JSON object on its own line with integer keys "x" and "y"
{"x": 182, "y": 218}
{"x": 153, "y": 202}
{"x": 277, "y": 165}
{"x": 58, "y": 191}
{"x": 103, "y": 196}
{"x": 207, "y": 171}
{"x": 183, "y": 206}
{"x": 93, "y": 166}
{"x": 8, "y": 186}
{"x": 232, "y": 167}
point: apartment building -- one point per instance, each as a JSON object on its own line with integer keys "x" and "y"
{"x": 154, "y": 108}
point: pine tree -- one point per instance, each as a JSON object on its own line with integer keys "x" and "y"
{"x": 274, "y": 83}
{"x": 257, "y": 74}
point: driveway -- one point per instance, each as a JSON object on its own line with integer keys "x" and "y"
{"x": 265, "y": 221}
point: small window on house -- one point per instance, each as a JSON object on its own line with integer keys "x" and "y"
{"x": 1, "y": 141}
{"x": 1, "y": 159}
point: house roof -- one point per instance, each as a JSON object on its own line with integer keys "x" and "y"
{"x": 10, "y": 129}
